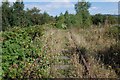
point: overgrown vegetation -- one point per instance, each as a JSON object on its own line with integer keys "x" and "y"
{"x": 22, "y": 56}
{"x": 37, "y": 45}
{"x": 17, "y": 15}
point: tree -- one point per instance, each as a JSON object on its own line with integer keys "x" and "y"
{"x": 60, "y": 21}
{"x": 98, "y": 19}
{"x": 112, "y": 19}
{"x": 101, "y": 19}
{"x": 78, "y": 20}
{"x": 34, "y": 16}
{"x": 19, "y": 13}
{"x": 82, "y": 6}
{"x": 5, "y": 14}
{"x": 45, "y": 18}
{"x": 0, "y": 18}
{"x": 67, "y": 19}
{"x": 82, "y": 9}
{"x": 61, "y": 18}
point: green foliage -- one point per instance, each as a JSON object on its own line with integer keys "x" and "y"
{"x": 67, "y": 18}
{"x": 13, "y": 15}
{"x": 0, "y": 18}
{"x": 98, "y": 19}
{"x": 82, "y": 10}
{"x": 46, "y": 18}
{"x": 21, "y": 47}
{"x": 16, "y": 15}
{"x": 112, "y": 19}
{"x": 114, "y": 31}
{"x": 82, "y": 6}
{"x": 61, "y": 25}
{"x": 34, "y": 16}
{"x": 6, "y": 15}
{"x": 61, "y": 22}
{"x": 61, "y": 18}
{"x": 78, "y": 20}
{"x": 73, "y": 20}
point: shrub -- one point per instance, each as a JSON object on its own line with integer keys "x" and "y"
{"x": 114, "y": 31}
{"x": 61, "y": 25}
{"x": 21, "y": 47}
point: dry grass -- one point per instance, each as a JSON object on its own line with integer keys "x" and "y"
{"x": 55, "y": 41}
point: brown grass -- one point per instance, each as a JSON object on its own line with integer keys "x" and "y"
{"x": 55, "y": 41}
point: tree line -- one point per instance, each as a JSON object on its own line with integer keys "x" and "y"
{"x": 16, "y": 15}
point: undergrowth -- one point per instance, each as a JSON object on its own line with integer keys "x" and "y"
{"x": 21, "y": 53}
{"x": 27, "y": 54}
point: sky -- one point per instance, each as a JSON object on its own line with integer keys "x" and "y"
{"x": 55, "y": 7}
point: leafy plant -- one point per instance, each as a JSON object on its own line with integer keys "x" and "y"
{"x": 21, "y": 48}
{"x": 114, "y": 31}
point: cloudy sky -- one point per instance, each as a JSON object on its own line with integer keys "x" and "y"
{"x": 63, "y": 0}
{"x": 55, "y": 7}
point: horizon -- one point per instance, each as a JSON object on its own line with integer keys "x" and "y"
{"x": 55, "y": 8}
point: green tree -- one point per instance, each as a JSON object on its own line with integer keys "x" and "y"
{"x": 13, "y": 15}
{"x": 78, "y": 20}
{"x": 112, "y": 19}
{"x": 61, "y": 18}
{"x": 45, "y": 18}
{"x": 0, "y": 18}
{"x": 34, "y": 16}
{"x": 82, "y": 9}
{"x": 60, "y": 21}
{"x": 19, "y": 13}
{"x": 98, "y": 19}
{"x": 67, "y": 19}
{"x": 5, "y": 14}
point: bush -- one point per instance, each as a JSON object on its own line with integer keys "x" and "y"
{"x": 21, "y": 47}
{"x": 61, "y": 25}
{"x": 114, "y": 31}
